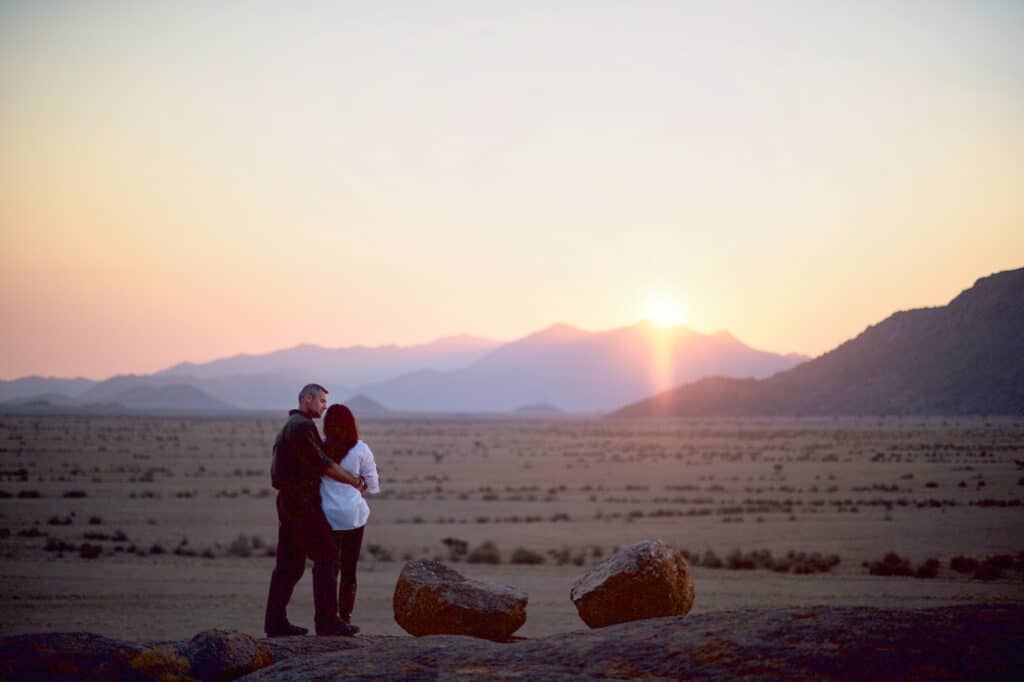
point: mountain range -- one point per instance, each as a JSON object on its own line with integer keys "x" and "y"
{"x": 964, "y": 358}
{"x": 561, "y": 367}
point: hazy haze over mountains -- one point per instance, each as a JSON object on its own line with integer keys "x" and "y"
{"x": 963, "y": 358}
{"x": 561, "y": 366}
{"x": 578, "y": 371}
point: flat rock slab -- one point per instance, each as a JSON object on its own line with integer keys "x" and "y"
{"x": 974, "y": 642}
{"x": 952, "y": 643}
{"x": 80, "y": 656}
{"x": 648, "y": 579}
{"x": 433, "y": 599}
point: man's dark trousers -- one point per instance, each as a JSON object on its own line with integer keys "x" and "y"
{"x": 303, "y": 532}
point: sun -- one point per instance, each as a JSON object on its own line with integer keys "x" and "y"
{"x": 664, "y": 312}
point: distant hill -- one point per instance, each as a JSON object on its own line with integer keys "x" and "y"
{"x": 169, "y": 397}
{"x": 342, "y": 366}
{"x": 963, "y": 358}
{"x": 363, "y": 405}
{"x": 40, "y": 400}
{"x": 576, "y": 370}
{"x": 539, "y": 409}
{"x": 563, "y": 366}
{"x": 28, "y": 387}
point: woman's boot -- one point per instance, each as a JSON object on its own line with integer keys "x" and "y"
{"x": 346, "y": 602}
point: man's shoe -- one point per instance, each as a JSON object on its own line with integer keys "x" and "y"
{"x": 286, "y": 630}
{"x": 336, "y": 629}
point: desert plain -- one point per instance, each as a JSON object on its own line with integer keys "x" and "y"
{"x": 157, "y": 527}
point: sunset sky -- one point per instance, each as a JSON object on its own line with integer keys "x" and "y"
{"x": 189, "y": 180}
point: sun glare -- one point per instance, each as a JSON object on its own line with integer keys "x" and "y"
{"x": 664, "y": 312}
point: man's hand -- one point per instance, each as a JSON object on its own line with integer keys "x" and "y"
{"x": 338, "y": 474}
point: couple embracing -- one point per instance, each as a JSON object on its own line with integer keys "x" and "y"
{"x": 321, "y": 513}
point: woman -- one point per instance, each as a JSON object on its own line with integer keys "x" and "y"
{"x": 344, "y": 506}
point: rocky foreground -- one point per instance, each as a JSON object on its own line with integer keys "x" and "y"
{"x": 976, "y": 642}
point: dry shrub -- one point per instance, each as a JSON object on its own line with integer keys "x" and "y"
{"x": 487, "y": 553}
{"x": 522, "y": 555}
{"x": 565, "y": 556}
{"x": 87, "y": 551}
{"x": 380, "y": 553}
{"x": 891, "y": 564}
{"x": 988, "y": 571}
{"x": 457, "y": 549}
{"x": 711, "y": 560}
{"x": 240, "y": 546}
{"x": 55, "y": 545}
{"x": 929, "y": 569}
{"x": 963, "y": 564}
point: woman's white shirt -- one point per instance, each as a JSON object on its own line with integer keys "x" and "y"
{"x": 343, "y": 505}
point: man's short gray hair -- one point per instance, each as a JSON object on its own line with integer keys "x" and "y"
{"x": 311, "y": 390}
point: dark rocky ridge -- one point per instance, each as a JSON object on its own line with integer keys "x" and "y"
{"x": 980, "y": 641}
{"x": 965, "y": 358}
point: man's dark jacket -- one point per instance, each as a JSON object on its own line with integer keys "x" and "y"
{"x": 299, "y": 456}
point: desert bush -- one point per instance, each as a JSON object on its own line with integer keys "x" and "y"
{"x": 1002, "y": 561}
{"x": 457, "y": 549}
{"x": 738, "y": 561}
{"x": 87, "y": 551}
{"x": 891, "y": 564}
{"x": 988, "y": 571}
{"x": 95, "y": 521}
{"x": 526, "y": 556}
{"x": 5, "y": 533}
{"x": 711, "y": 560}
{"x": 487, "y": 553}
{"x": 75, "y": 493}
{"x": 59, "y": 521}
{"x": 929, "y": 569}
{"x": 28, "y": 494}
{"x": 560, "y": 556}
{"x": 31, "y": 533}
{"x": 379, "y": 553}
{"x": 157, "y": 549}
{"x": 55, "y": 545}
{"x": 240, "y": 546}
{"x": 963, "y": 564}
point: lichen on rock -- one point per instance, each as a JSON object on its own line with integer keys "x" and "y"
{"x": 648, "y": 579}
{"x": 433, "y": 599}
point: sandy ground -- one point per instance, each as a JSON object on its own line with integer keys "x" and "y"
{"x": 929, "y": 488}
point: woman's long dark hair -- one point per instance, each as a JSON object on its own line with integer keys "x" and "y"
{"x": 342, "y": 434}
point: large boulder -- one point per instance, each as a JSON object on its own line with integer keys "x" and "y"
{"x": 226, "y": 654}
{"x": 645, "y": 580}
{"x": 432, "y": 599}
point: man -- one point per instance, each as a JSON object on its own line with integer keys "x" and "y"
{"x": 299, "y": 462}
